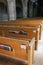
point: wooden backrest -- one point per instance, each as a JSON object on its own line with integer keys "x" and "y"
{"x": 16, "y": 46}
{"x": 19, "y": 32}
{"x": 22, "y": 22}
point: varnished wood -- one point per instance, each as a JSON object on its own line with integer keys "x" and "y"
{"x": 31, "y": 32}
{"x": 18, "y": 52}
{"x": 25, "y": 23}
{"x": 34, "y": 22}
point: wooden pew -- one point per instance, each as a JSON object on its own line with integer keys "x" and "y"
{"x": 21, "y": 49}
{"x": 34, "y": 22}
{"x": 26, "y": 23}
{"x": 21, "y": 32}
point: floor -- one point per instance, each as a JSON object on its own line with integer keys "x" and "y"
{"x": 38, "y": 60}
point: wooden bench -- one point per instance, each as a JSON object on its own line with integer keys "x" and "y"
{"x": 28, "y": 22}
{"x": 34, "y": 22}
{"x": 21, "y": 49}
{"x": 21, "y": 32}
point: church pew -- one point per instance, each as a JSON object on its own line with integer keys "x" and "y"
{"x": 27, "y": 23}
{"x": 22, "y": 32}
{"x": 34, "y": 22}
{"x": 20, "y": 49}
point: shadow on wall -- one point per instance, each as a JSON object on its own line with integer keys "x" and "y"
{"x": 3, "y": 12}
{"x": 40, "y": 8}
{"x": 19, "y": 13}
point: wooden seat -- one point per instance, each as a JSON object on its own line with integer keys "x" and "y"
{"x": 20, "y": 49}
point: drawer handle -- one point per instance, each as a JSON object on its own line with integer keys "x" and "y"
{"x": 18, "y": 32}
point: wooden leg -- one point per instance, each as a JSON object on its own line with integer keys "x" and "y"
{"x": 36, "y": 45}
{"x": 33, "y": 53}
{"x": 30, "y": 56}
{"x": 40, "y": 32}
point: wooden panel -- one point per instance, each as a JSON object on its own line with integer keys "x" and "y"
{"x": 23, "y": 22}
{"x": 34, "y": 22}
{"x": 21, "y": 32}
